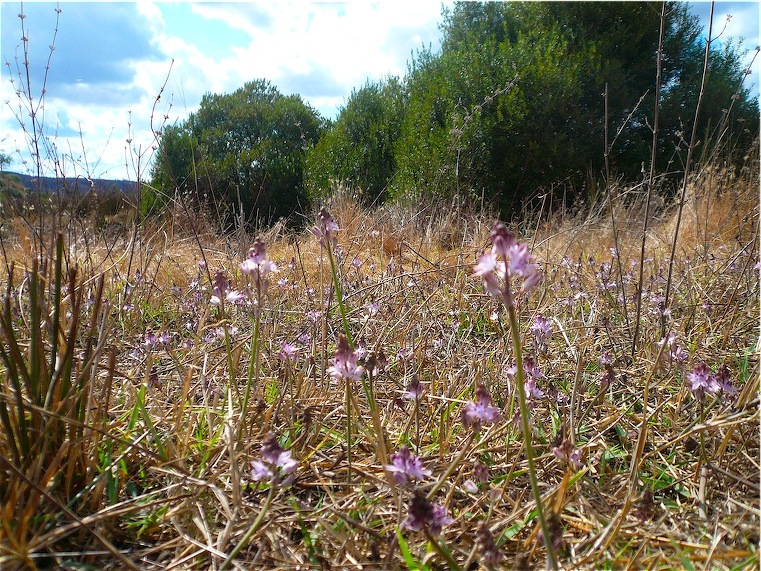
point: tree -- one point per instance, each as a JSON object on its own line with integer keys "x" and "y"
{"x": 470, "y": 131}
{"x": 244, "y": 151}
{"x": 358, "y": 149}
{"x": 467, "y": 133}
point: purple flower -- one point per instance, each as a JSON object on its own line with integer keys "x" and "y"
{"x": 541, "y": 328}
{"x": 530, "y": 369}
{"x": 405, "y": 467}
{"x": 372, "y": 308}
{"x": 221, "y": 285}
{"x": 404, "y": 355}
{"x": 325, "y": 229}
{"x": 501, "y": 238}
{"x": 425, "y": 515}
{"x": 470, "y": 486}
{"x": 566, "y": 451}
{"x": 491, "y": 556}
{"x": 723, "y": 381}
{"x": 520, "y": 261}
{"x": 507, "y": 258}
{"x": 491, "y": 271}
{"x": 345, "y": 362}
{"x": 674, "y": 351}
{"x": 702, "y": 382}
{"x": 480, "y": 411}
{"x": 276, "y": 463}
{"x": 414, "y": 389}
{"x": 609, "y": 375}
{"x": 150, "y": 340}
{"x": 480, "y": 472}
{"x": 530, "y": 374}
{"x": 257, "y": 265}
{"x": 234, "y": 297}
{"x": 288, "y": 352}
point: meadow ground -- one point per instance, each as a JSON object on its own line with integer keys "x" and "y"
{"x": 357, "y": 407}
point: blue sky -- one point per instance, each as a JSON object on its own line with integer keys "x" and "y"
{"x": 111, "y": 60}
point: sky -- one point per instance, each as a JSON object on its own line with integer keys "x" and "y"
{"x": 112, "y": 61}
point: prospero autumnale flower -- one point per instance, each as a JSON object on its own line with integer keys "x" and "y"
{"x": 506, "y": 260}
{"x": 723, "y": 380}
{"x": 288, "y": 352}
{"x": 566, "y": 451}
{"x": 530, "y": 374}
{"x": 491, "y": 555}
{"x": 326, "y": 229}
{"x": 541, "y": 329}
{"x": 675, "y": 352}
{"x": 221, "y": 290}
{"x": 702, "y": 382}
{"x": 608, "y": 373}
{"x": 257, "y": 265}
{"x": 276, "y": 464}
{"x": 406, "y": 467}
{"x": 480, "y": 411}
{"x": 480, "y": 472}
{"x": 345, "y": 362}
{"x": 414, "y": 389}
{"x": 425, "y": 515}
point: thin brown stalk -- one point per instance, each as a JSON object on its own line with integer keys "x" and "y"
{"x": 651, "y": 180}
{"x": 687, "y": 166}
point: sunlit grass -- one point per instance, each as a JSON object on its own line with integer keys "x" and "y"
{"x": 143, "y": 457}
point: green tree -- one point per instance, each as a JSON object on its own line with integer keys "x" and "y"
{"x": 244, "y": 151}
{"x": 469, "y": 131}
{"x": 174, "y": 170}
{"x": 464, "y": 133}
{"x": 358, "y": 149}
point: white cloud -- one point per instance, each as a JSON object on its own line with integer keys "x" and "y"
{"x": 319, "y": 50}
{"x": 316, "y": 49}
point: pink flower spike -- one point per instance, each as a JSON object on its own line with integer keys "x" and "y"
{"x": 490, "y": 269}
{"x": 501, "y": 238}
{"x": 423, "y": 514}
{"x": 406, "y": 466}
{"x": 518, "y": 259}
{"x": 276, "y": 463}
{"x": 345, "y": 362}
{"x": 233, "y": 296}
{"x": 288, "y": 352}
{"x": 325, "y": 229}
{"x": 566, "y": 451}
{"x": 532, "y": 281}
{"x": 257, "y": 264}
{"x": 257, "y": 252}
{"x": 480, "y": 411}
{"x": 702, "y": 382}
{"x": 541, "y": 328}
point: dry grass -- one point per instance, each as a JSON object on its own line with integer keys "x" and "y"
{"x": 166, "y": 482}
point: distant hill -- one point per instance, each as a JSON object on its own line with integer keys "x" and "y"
{"x": 80, "y": 184}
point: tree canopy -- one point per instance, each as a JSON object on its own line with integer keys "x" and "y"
{"x": 244, "y": 150}
{"x": 510, "y": 106}
{"x": 466, "y": 132}
{"x": 358, "y": 150}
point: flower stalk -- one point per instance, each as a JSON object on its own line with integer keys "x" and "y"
{"x": 509, "y": 259}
